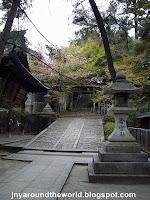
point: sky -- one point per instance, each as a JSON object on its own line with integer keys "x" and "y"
{"x": 54, "y": 19}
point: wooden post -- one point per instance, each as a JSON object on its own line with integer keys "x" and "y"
{"x": 104, "y": 107}
{"x": 71, "y": 102}
{"x": 98, "y": 107}
{"x": 93, "y": 106}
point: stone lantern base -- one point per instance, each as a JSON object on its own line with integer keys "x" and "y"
{"x": 120, "y": 158}
{"x": 119, "y": 162}
{"x": 121, "y": 147}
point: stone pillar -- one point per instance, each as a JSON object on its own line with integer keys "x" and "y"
{"x": 28, "y": 103}
{"x": 93, "y": 106}
{"x": 121, "y": 132}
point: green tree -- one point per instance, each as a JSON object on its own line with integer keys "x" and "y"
{"x": 105, "y": 40}
{"x": 135, "y": 11}
{"x": 84, "y": 18}
{"x": 85, "y": 59}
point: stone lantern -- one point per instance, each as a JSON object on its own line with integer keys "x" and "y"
{"x": 120, "y": 157}
{"x": 121, "y": 90}
{"x": 47, "y": 109}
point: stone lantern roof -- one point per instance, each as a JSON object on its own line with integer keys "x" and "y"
{"x": 121, "y": 85}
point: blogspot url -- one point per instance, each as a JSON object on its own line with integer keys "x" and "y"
{"x": 77, "y": 195}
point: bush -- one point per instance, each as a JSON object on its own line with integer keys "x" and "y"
{"x": 132, "y": 121}
{"x": 108, "y": 128}
{"x": 108, "y": 118}
{"x": 138, "y": 47}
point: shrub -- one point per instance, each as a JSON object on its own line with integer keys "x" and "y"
{"x": 108, "y": 128}
{"x": 108, "y": 118}
{"x": 132, "y": 121}
{"x": 138, "y": 47}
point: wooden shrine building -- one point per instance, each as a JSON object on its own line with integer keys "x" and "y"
{"x": 144, "y": 120}
{"x": 16, "y": 80}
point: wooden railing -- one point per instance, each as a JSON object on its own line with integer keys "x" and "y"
{"x": 142, "y": 136}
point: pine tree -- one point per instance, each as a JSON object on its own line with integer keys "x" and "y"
{"x": 136, "y": 10}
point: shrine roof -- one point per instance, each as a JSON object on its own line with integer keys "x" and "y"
{"x": 143, "y": 115}
{"x": 12, "y": 64}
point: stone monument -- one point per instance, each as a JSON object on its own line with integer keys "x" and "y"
{"x": 47, "y": 109}
{"x": 120, "y": 158}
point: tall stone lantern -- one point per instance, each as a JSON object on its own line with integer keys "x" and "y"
{"x": 121, "y": 139}
{"x": 121, "y": 90}
{"x": 120, "y": 157}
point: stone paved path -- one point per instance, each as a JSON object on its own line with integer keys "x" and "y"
{"x": 46, "y": 172}
{"x": 78, "y": 182}
{"x": 71, "y": 132}
{"x": 57, "y": 172}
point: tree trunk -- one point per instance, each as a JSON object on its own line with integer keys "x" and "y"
{"x": 136, "y": 26}
{"x": 135, "y": 9}
{"x": 104, "y": 39}
{"x": 8, "y": 25}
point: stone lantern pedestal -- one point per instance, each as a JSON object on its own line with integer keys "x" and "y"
{"x": 120, "y": 157}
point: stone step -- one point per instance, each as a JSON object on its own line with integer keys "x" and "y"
{"x": 122, "y": 157}
{"x": 117, "y": 178}
{"x": 120, "y": 167}
{"x": 121, "y": 147}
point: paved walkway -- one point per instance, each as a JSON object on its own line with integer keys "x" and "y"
{"x": 14, "y": 140}
{"x": 72, "y": 131}
{"x": 57, "y": 172}
{"x": 45, "y": 172}
{"x": 78, "y": 182}
{"x": 48, "y": 171}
